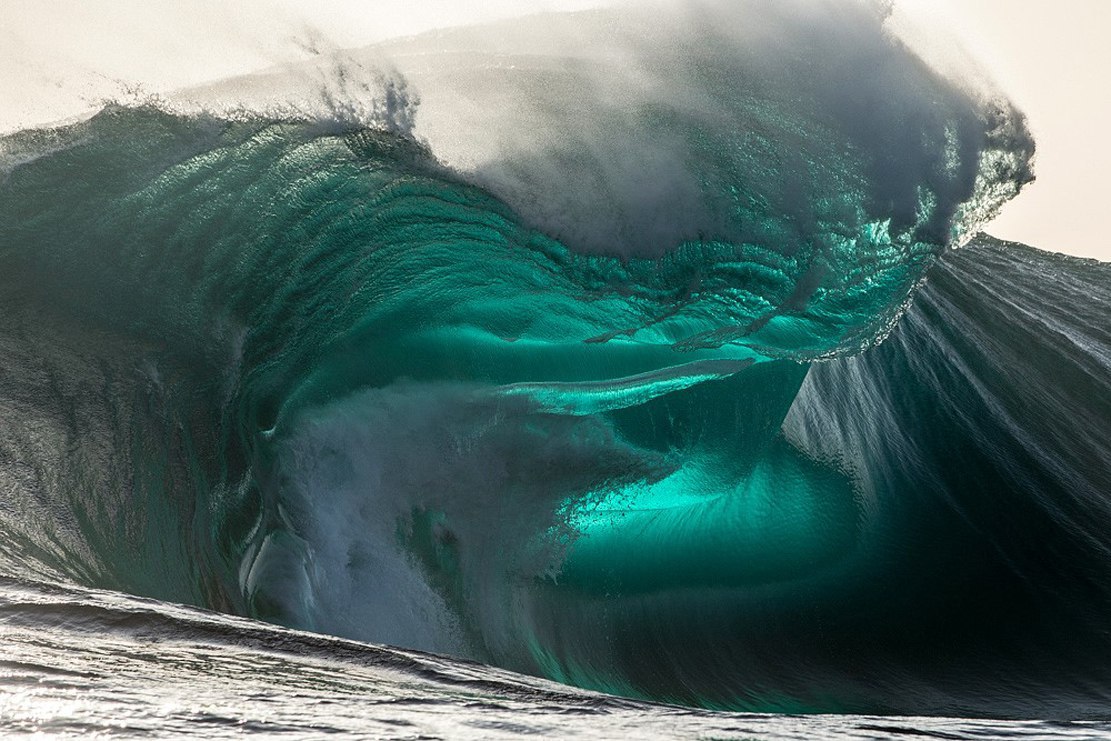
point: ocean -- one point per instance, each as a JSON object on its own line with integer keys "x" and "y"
{"x": 633, "y": 372}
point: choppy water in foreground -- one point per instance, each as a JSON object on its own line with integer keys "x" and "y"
{"x": 80, "y": 664}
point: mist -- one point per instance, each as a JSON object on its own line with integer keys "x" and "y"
{"x": 548, "y": 114}
{"x": 61, "y": 59}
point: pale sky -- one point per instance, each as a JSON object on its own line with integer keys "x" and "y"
{"x": 1053, "y": 57}
{"x": 58, "y": 57}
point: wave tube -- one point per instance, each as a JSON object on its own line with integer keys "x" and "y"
{"x": 571, "y": 368}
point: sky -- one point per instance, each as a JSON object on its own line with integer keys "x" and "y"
{"x": 59, "y": 57}
{"x": 1053, "y": 59}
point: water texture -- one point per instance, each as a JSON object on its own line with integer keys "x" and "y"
{"x": 668, "y": 385}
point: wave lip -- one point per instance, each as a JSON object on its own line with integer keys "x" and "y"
{"x": 797, "y": 163}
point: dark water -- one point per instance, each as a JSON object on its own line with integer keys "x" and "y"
{"x": 994, "y": 598}
{"x": 630, "y": 407}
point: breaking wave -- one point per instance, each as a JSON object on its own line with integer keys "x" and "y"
{"x": 581, "y": 370}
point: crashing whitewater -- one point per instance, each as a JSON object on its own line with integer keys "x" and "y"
{"x": 635, "y": 357}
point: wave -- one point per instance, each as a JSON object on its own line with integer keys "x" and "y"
{"x": 590, "y": 386}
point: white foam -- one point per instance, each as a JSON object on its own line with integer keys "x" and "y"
{"x": 377, "y": 482}
{"x": 588, "y": 124}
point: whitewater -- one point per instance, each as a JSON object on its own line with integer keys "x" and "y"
{"x": 639, "y": 371}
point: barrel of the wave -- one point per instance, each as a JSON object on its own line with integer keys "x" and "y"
{"x": 398, "y": 405}
{"x": 710, "y": 527}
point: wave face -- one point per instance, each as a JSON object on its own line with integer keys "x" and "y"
{"x": 613, "y": 410}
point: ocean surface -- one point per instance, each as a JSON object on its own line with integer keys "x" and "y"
{"x": 627, "y": 373}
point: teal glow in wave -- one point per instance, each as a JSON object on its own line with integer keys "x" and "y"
{"x": 561, "y": 410}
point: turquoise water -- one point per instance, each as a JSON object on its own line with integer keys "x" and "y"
{"x": 650, "y": 426}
